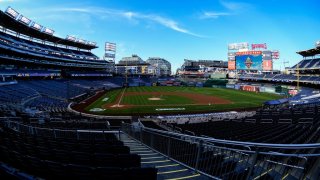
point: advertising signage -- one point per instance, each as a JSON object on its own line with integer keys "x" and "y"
{"x": 109, "y": 55}
{"x": 267, "y": 65}
{"x": 231, "y": 65}
{"x": 249, "y": 53}
{"x": 237, "y": 46}
{"x": 258, "y": 46}
{"x": 275, "y": 54}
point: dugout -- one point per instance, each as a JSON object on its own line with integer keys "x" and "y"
{"x": 275, "y": 104}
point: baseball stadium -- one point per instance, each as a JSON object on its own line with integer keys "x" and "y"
{"x": 66, "y": 113}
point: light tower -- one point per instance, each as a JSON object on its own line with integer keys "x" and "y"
{"x": 298, "y": 78}
{"x": 284, "y": 64}
{"x": 126, "y": 73}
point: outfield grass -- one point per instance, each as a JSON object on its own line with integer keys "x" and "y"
{"x": 239, "y": 99}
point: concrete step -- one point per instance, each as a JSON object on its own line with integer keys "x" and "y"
{"x": 167, "y": 169}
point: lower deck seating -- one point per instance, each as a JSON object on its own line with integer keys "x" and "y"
{"x": 52, "y": 158}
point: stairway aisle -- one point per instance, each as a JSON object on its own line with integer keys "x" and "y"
{"x": 167, "y": 169}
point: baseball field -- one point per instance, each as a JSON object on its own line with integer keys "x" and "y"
{"x": 170, "y": 100}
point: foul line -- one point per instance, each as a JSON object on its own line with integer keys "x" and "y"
{"x": 121, "y": 96}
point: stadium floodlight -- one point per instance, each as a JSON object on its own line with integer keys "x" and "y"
{"x": 71, "y": 38}
{"x": 36, "y": 26}
{"x": 81, "y": 41}
{"x": 91, "y": 43}
{"x": 24, "y": 20}
{"x": 12, "y": 13}
{"x": 48, "y": 31}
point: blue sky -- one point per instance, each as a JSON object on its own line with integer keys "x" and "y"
{"x": 181, "y": 29}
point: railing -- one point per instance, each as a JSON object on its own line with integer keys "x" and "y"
{"x": 223, "y": 159}
{"x": 78, "y": 134}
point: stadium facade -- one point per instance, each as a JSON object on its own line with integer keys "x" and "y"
{"x": 29, "y": 49}
{"x": 159, "y": 66}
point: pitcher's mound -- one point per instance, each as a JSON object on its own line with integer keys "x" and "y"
{"x": 155, "y": 99}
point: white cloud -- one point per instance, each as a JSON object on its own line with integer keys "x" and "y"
{"x": 213, "y": 15}
{"x": 6, "y": 1}
{"x": 104, "y": 12}
{"x": 234, "y": 6}
{"x": 129, "y": 15}
{"x": 171, "y": 24}
{"x": 230, "y": 8}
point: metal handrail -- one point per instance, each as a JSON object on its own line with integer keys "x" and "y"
{"x": 205, "y": 139}
{"x": 241, "y": 143}
{"x": 215, "y": 157}
{"x": 16, "y": 126}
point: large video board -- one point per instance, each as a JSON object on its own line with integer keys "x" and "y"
{"x": 249, "y": 62}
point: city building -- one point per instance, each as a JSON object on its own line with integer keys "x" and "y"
{"x": 159, "y": 66}
{"x": 135, "y": 65}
